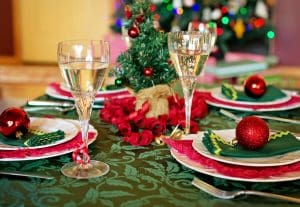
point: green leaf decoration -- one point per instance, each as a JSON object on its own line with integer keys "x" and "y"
{"x": 146, "y": 154}
{"x": 172, "y": 167}
{"x": 189, "y": 196}
{"x": 77, "y": 184}
{"x": 182, "y": 175}
{"x": 130, "y": 171}
{"x": 92, "y": 195}
{"x": 70, "y": 204}
{"x": 130, "y": 153}
{"x": 156, "y": 165}
{"x": 135, "y": 203}
{"x": 54, "y": 190}
{"x": 34, "y": 165}
{"x": 149, "y": 179}
{"x": 165, "y": 192}
{"x": 118, "y": 182}
{"x": 115, "y": 148}
{"x": 26, "y": 185}
{"x": 107, "y": 203}
{"x": 156, "y": 172}
{"x": 114, "y": 194}
{"x": 130, "y": 147}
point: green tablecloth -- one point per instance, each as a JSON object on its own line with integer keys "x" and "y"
{"x": 139, "y": 176}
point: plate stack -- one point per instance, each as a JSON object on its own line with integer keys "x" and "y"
{"x": 192, "y": 153}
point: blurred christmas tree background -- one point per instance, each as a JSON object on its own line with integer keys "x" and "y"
{"x": 243, "y": 25}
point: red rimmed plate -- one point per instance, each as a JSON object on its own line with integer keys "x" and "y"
{"x": 57, "y": 90}
{"x": 47, "y": 152}
{"x": 291, "y": 103}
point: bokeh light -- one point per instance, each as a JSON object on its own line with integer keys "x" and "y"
{"x": 270, "y": 34}
{"x": 225, "y": 20}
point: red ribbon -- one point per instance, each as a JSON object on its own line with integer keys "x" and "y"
{"x": 134, "y": 126}
{"x": 81, "y": 155}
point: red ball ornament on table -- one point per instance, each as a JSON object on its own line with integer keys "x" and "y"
{"x": 255, "y": 86}
{"x": 252, "y": 133}
{"x": 148, "y": 71}
{"x": 133, "y": 32}
{"x": 14, "y": 122}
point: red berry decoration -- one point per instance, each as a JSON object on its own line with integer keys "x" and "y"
{"x": 128, "y": 12}
{"x": 133, "y": 32}
{"x": 140, "y": 18}
{"x": 148, "y": 71}
{"x": 152, "y": 7}
{"x": 14, "y": 122}
{"x": 255, "y": 86}
{"x": 252, "y": 132}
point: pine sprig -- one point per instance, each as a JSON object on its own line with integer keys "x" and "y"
{"x": 149, "y": 49}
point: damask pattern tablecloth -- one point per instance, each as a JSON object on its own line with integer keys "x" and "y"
{"x": 139, "y": 176}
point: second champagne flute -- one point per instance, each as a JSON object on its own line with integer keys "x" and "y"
{"x": 189, "y": 51}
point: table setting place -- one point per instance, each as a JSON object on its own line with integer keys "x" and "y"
{"x": 141, "y": 142}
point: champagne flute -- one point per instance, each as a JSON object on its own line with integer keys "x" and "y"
{"x": 189, "y": 51}
{"x": 83, "y": 65}
{"x": 209, "y": 27}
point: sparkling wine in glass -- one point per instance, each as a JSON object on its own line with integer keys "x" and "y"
{"x": 189, "y": 51}
{"x": 83, "y": 65}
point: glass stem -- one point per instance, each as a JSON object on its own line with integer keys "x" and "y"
{"x": 84, "y": 110}
{"x": 188, "y": 88}
{"x": 188, "y": 107}
{"x": 84, "y": 130}
{"x": 84, "y": 134}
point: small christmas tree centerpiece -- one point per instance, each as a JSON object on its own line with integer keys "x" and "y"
{"x": 146, "y": 67}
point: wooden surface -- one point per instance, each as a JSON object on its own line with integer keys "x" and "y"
{"x": 21, "y": 83}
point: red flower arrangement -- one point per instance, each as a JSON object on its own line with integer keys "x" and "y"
{"x": 139, "y": 130}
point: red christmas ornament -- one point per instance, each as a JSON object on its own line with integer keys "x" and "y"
{"x": 140, "y": 18}
{"x": 14, "y": 122}
{"x": 148, "y": 71}
{"x": 152, "y": 7}
{"x": 133, "y": 32}
{"x": 252, "y": 132}
{"x": 128, "y": 12}
{"x": 255, "y": 86}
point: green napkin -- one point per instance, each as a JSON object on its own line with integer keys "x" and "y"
{"x": 272, "y": 93}
{"x": 279, "y": 143}
{"x": 34, "y": 138}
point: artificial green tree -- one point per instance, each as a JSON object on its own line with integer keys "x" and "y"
{"x": 146, "y": 63}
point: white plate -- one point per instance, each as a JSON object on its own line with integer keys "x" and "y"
{"x": 228, "y": 135}
{"x": 55, "y": 152}
{"x": 53, "y": 93}
{"x": 182, "y": 159}
{"x": 217, "y": 94}
{"x": 292, "y": 103}
{"x": 47, "y": 125}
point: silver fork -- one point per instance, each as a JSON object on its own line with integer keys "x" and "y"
{"x": 232, "y": 194}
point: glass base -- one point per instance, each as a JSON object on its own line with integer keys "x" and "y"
{"x": 92, "y": 170}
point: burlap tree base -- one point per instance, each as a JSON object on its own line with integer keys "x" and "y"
{"x": 157, "y": 97}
